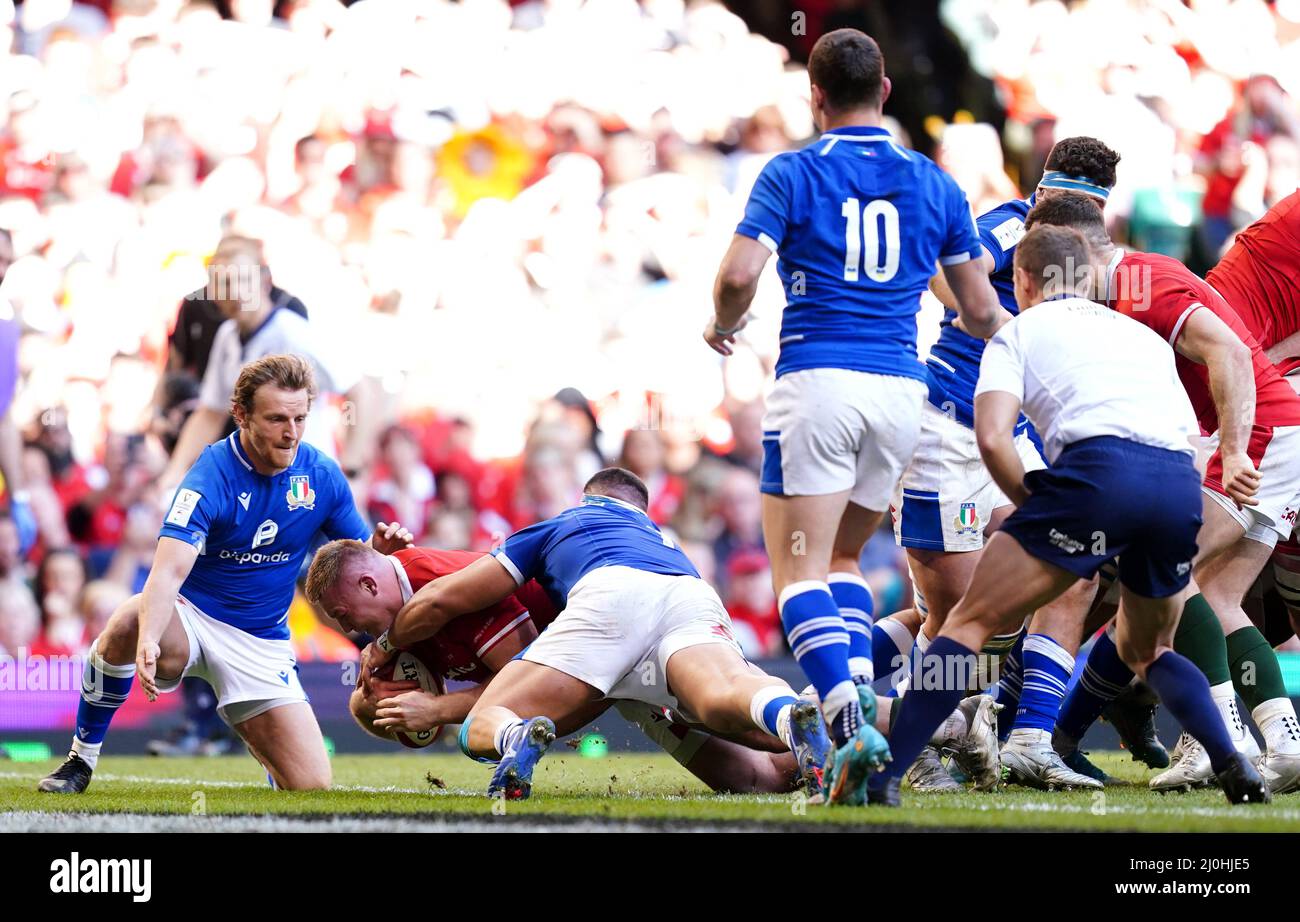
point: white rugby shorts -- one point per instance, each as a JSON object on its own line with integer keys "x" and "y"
{"x": 830, "y": 429}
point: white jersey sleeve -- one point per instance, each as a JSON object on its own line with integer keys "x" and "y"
{"x": 1002, "y": 368}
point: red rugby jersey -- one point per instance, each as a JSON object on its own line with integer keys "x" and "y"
{"x": 1162, "y": 293}
{"x": 457, "y": 651}
{"x": 1260, "y": 275}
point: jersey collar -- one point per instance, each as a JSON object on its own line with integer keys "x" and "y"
{"x": 238, "y": 449}
{"x": 591, "y": 499}
{"x": 859, "y": 133}
{"x": 403, "y": 580}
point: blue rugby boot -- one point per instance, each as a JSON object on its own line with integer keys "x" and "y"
{"x": 812, "y": 747}
{"x": 513, "y": 779}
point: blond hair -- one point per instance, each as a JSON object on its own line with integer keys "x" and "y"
{"x": 329, "y": 563}
{"x": 291, "y": 372}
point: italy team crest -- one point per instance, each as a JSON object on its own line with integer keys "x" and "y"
{"x": 300, "y": 495}
{"x": 967, "y": 521}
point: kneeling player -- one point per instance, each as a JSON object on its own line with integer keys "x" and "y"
{"x": 363, "y": 590}
{"x": 222, "y": 581}
{"x": 1104, "y": 393}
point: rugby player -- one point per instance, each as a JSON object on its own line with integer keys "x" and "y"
{"x": 217, "y": 598}
{"x": 636, "y": 622}
{"x": 1104, "y": 393}
{"x": 946, "y": 504}
{"x": 858, "y": 223}
{"x": 1251, "y": 490}
{"x": 364, "y": 590}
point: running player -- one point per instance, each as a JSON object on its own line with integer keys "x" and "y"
{"x": 637, "y": 623}
{"x": 1105, "y": 396}
{"x": 364, "y": 590}
{"x": 858, "y": 223}
{"x": 216, "y": 601}
{"x": 946, "y": 504}
{"x": 1252, "y": 491}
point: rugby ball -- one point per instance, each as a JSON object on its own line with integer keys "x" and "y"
{"x": 407, "y": 667}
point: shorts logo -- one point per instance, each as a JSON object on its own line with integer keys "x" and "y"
{"x": 300, "y": 494}
{"x": 1184, "y": 568}
{"x": 266, "y": 533}
{"x": 1065, "y": 542}
{"x": 967, "y": 520}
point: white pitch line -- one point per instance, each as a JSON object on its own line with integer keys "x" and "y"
{"x": 200, "y": 783}
{"x": 1290, "y": 814}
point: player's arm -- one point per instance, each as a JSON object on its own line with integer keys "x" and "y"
{"x": 939, "y": 282}
{"x": 480, "y": 585}
{"x": 172, "y": 561}
{"x": 733, "y": 291}
{"x": 419, "y": 711}
{"x": 996, "y": 413}
{"x": 977, "y": 305}
{"x": 1284, "y": 349}
{"x": 1208, "y": 341}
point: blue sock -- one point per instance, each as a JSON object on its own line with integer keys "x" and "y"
{"x": 890, "y": 644}
{"x": 1184, "y": 690}
{"x": 1047, "y": 668}
{"x": 817, "y": 636}
{"x": 1104, "y": 677}
{"x": 766, "y": 706}
{"x": 937, "y": 687}
{"x": 104, "y": 689}
{"x": 1007, "y": 691}
{"x": 853, "y": 596}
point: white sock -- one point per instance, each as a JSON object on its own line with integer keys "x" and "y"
{"x": 508, "y": 736}
{"x": 1276, "y": 719}
{"x": 954, "y": 728}
{"x": 1225, "y": 699}
{"x": 840, "y": 697}
{"x": 862, "y": 670}
{"x": 88, "y": 752}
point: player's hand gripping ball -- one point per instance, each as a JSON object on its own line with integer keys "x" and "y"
{"x": 407, "y": 667}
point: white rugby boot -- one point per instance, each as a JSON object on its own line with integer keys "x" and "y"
{"x": 977, "y": 752}
{"x": 1028, "y": 758}
{"x": 1192, "y": 770}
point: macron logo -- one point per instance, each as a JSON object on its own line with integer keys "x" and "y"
{"x": 103, "y": 875}
{"x": 243, "y": 500}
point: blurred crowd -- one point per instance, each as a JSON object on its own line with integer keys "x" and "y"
{"x": 501, "y": 223}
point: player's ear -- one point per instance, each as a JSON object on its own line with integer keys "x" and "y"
{"x": 368, "y": 584}
{"x": 885, "y": 87}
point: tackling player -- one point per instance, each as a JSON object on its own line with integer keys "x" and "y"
{"x": 637, "y": 623}
{"x": 364, "y": 590}
{"x": 216, "y": 601}
{"x": 1104, "y": 393}
{"x": 858, "y": 223}
{"x": 1251, "y": 490}
{"x": 946, "y": 503}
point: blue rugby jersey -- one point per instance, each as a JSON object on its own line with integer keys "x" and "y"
{"x": 601, "y": 532}
{"x": 253, "y": 531}
{"x": 858, "y": 223}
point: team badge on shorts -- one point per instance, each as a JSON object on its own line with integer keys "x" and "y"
{"x": 967, "y": 521}
{"x": 300, "y": 495}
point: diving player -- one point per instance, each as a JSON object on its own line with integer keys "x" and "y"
{"x": 217, "y": 598}
{"x": 1103, "y": 392}
{"x": 364, "y": 590}
{"x": 637, "y": 622}
{"x": 858, "y": 223}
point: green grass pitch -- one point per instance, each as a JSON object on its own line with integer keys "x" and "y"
{"x": 416, "y": 791}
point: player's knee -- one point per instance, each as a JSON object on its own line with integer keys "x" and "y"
{"x": 117, "y": 642}
{"x": 308, "y": 778}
